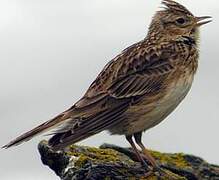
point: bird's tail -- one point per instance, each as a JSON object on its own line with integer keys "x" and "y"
{"x": 48, "y": 125}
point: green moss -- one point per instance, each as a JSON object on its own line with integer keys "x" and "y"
{"x": 173, "y": 159}
{"x": 92, "y": 154}
{"x": 107, "y": 178}
{"x": 106, "y": 155}
{"x": 96, "y": 156}
{"x": 81, "y": 161}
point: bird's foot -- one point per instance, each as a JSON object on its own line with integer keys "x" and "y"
{"x": 154, "y": 169}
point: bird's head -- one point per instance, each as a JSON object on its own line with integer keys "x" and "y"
{"x": 175, "y": 20}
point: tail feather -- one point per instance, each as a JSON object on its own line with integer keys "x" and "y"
{"x": 58, "y": 120}
{"x": 89, "y": 126}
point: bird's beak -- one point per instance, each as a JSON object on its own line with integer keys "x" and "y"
{"x": 200, "y": 20}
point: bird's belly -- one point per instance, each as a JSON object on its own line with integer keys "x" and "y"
{"x": 152, "y": 110}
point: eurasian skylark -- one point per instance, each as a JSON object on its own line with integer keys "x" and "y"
{"x": 137, "y": 89}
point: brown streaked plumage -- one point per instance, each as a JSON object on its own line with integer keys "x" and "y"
{"x": 137, "y": 89}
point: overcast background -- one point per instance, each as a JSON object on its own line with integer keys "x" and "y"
{"x": 50, "y": 52}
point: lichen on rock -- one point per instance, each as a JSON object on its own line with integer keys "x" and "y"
{"x": 111, "y": 162}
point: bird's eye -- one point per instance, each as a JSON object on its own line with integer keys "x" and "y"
{"x": 181, "y": 21}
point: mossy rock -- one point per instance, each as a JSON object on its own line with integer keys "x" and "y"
{"x": 111, "y": 162}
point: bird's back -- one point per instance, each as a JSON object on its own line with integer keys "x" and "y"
{"x": 143, "y": 78}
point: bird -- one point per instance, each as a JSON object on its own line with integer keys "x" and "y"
{"x": 137, "y": 89}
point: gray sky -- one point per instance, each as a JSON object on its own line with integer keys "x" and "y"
{"x": 50, "y": 52}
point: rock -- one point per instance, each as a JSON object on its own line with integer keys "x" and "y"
{"x": 110, "y": 162}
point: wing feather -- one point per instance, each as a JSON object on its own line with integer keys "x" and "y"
{"x": 105, "y": 103}
{"x": 90, "y": 126}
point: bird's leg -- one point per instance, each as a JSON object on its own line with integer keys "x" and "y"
{"x": 156, "y": 167}
{"x": 144, "y": 150}
{"x": 140, "y": 158}
{"x": 131, "y": 142}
